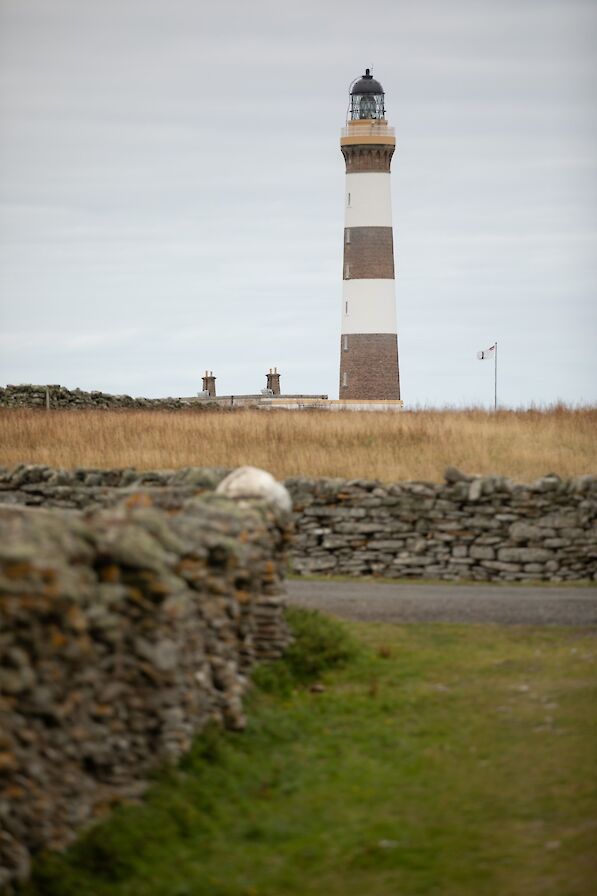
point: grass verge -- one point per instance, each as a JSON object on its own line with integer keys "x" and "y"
{"x": 429, "y": 759}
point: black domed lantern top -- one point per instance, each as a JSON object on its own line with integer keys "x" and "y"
{"x": 366, "y": 98}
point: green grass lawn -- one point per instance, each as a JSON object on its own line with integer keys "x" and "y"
{"x": 438, "y": 759}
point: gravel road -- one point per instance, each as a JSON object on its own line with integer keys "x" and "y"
{"x": 503, "y": 605}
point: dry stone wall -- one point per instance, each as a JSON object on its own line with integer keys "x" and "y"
{"x": 59, "y": 397}
{"x": 123, "y": 631}
{"x": 481, "y": 528}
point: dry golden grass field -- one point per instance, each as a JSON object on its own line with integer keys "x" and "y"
{"x": 407, "y": 445}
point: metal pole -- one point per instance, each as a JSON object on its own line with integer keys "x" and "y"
{"x": 495, "y": 381}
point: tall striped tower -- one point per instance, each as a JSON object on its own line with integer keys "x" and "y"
{"x": 369, "y": 342}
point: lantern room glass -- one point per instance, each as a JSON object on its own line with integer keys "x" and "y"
{"x": 367, "y": 106}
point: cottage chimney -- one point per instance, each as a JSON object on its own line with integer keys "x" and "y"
{"x": 209, "y": 383}
{"x": 273, "y": 380}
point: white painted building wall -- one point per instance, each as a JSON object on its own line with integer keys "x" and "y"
{"x": 368, "y": 200}
{"x": 368, "y": 306}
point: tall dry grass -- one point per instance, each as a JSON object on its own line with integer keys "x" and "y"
{"x": 407, "y": 445}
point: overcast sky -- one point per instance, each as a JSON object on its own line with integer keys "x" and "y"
{"x": 171, "y": 192}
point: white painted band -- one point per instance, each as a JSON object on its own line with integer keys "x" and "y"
{"x": 368, "y": 200}
{"x": 368, "y": 306}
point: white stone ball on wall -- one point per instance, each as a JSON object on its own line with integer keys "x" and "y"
{"x": 251, "y": 482}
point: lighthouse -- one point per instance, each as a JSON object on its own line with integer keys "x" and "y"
{"x": 369, "y": 340}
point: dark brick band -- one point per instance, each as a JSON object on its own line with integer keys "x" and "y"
{"x": 367, "y": 157}
{"x": 368, "y": 253}
{"x": 369, "y": 366}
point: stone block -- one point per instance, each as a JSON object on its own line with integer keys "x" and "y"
{"x": 557, "y": 543}
{"x": 331, "y": 542}
{"x": 481, "y": 552}
{"x": 571, "y": 532}
{"x": 524, "y": 555}
{"x": 409, "y": 560}
{"x": 521, "y": 531}
{"x": 387, "y": 544}
{"x": 558, "y": 520}
{"x": 475, "y": 490}
{"x": 453, "y": 474}
{"x": 501, "y": 565}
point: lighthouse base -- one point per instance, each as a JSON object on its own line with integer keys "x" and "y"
{"x": 369, "y": 367}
